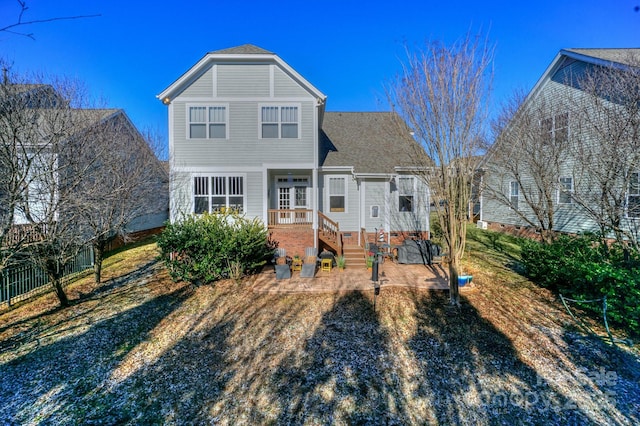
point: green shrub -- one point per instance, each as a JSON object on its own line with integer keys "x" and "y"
{"x": 582, "y": 268}
{"x": 207, "y": 248}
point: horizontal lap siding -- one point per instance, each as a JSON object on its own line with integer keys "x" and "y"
{"x": 285, "y": 86}
{"x": 376, "y": 194}
{"x": 202, "y": 86}
{"x": 182, "y": 195}
{"x": 415, "y": 220}
{"x": 243, "y": 80}
{"x": 243, "y": 146}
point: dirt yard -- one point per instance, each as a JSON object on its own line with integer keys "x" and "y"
{"x": 140, "y": 349}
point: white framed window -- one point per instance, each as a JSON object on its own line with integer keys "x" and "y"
{"x": 207, "y": 122}
{"x": 565, "y": 194}
{"x": 213, "y": 193}
{"x": 633, "y": 196}
{"x": 555, "y": 129}
{"x": 337, "y": 186}
{"x": 279, "y": 121}
{"x": 514, "y": 194}
{"x": 406, "y": 194}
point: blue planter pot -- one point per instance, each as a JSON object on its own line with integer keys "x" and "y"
{"x": 464, "y": 280}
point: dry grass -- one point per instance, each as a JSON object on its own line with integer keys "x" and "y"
{"x": 140, "y": 349}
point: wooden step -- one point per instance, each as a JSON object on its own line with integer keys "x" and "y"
{"x": 354, "y": 256}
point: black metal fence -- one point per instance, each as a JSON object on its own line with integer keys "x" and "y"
{"x": 19, "y": 282}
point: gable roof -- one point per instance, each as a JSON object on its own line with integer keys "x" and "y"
{"x": 619, "y": 56}
{"x": 238, "y": 54}
{"x": 367, "y": 142}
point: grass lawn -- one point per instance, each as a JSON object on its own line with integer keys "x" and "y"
{"x": 140, "y": 349}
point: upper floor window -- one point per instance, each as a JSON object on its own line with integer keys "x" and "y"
{"x": 555, "y": 129}
{"x": 279, "y": 122}
{"x": 406, "y": 190}
{"x": 514, "y": 194}
{"x": 566, "y": 191}
{"x": 208, "y": 122}
{"x": 213, "y": 193}
{"x": 337, "y": 194}
{"x": 633, "y": 195}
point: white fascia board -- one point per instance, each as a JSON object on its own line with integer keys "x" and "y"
{"x": 373, "y": 175}
{"x": 288, "y": 166}
{"x": 592, "y": 60}
{"x": 214, "y": 169}
{"x": 336, "y": 169}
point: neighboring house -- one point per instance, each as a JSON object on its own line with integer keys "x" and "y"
{"x": 36, "y": 203}
{"x": 246, "y": 131}
{"x": 556, "y": 162}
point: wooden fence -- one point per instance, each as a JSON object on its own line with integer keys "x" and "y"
{"x": 19, "y": 282}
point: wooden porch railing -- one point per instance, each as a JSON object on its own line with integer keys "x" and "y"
{"x": 330, "y": 232}
{"x": 24, "y": 234}
{"x": 363, "y": 238}
{"x": 290, "y": 218}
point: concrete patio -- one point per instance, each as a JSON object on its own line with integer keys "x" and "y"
{"x": 357, "y": 278}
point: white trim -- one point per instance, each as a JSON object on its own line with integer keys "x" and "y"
{"x": 214, "y": 80}
{"x": 561, "y": 190}
{"x": 272, "y": 81}
{"x": 206, "y": 105}
{"x": 215, "y": 169}
{"x": 209, "y": 195}
{"x": 414, "y": 193}
{"x": 279, "y": 104}
{"x": 214, "y": 58}
{"x": 327, "y": 191}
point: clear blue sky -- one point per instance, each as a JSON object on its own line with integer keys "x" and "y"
{"x": 345, "y": 48}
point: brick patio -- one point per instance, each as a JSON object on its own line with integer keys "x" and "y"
{"x": 357, "y": 278}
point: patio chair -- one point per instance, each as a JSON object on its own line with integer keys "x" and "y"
{"x": 280, "y": 253}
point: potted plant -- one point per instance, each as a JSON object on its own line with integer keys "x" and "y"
{"x": 341, "y": 262}
{"x": 370, "y": 260}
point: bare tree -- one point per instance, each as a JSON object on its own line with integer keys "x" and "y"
{"x": 20, "y": 20}
{"x": 46, "y": 197}
{"x": 526, "y": 162}
{"x": 124, "y": 182}
{"x": 441, "y": 95}
{"x": 606, "y": 113}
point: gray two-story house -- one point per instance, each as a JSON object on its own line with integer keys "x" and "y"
{"x": 247, "y": 132}
{"x": 569, "y": 160}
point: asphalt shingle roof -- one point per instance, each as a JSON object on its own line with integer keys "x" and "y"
{"x": 245, "y": 49}
{"x": 370, "y": 142}
{"x": 622, "y": 56}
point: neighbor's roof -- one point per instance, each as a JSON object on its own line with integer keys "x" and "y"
{"x": 370, "y": 142}
{"x": 624, "y": 56}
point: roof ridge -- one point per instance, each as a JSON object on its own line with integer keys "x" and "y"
{"x": 243, "y": 49}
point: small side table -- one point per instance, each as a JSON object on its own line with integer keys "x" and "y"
{"x": 296, "y": 265}
{"x": 325, "y": 265}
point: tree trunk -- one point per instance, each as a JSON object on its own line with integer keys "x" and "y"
{"x": 56, "y": 282}
{"x": 454, "y": 290}
{"x": 98, "y": 257}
